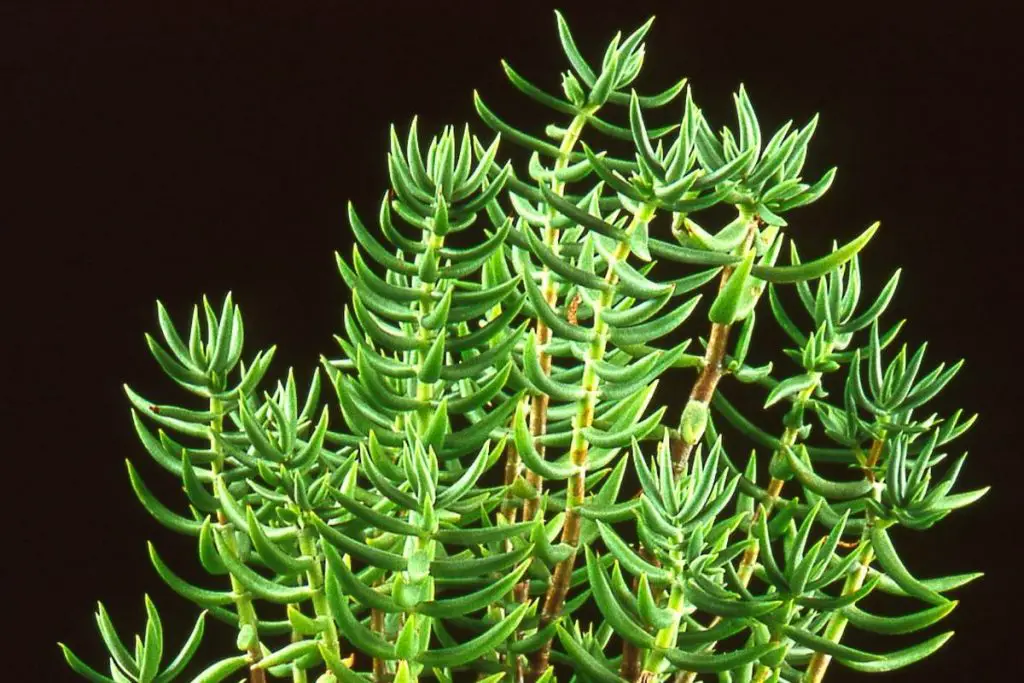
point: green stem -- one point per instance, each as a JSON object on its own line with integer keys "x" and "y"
{"x": 538, "y": 415}
{"x": 745, "y": 571}
{"x": 315, "y": 579}
{"x": 243, "y": 600}
{"x": 423, "y": 624}
{"x": 666, "y": 637}
{"x": 765, "y": 672}
{"x": 837, "y": 624}
{"x": 579, "y": 449}
{"x": 539, "y": 403}
{"x": 299, "y": 675}
{"x": 789, "y": 437}
{"x": 425, "y": 390}
{"x": 818, "y": 665}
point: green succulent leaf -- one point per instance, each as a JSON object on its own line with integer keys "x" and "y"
{"x": 825, "y": 646}
{"x": 890, "y": 561}
{"x": 219, "y": 671}
{"x": 714, "y": 663}
{"x": 906, "y": 623}
{"x": 727, "y": 303}
{"x": 586, "y": 661}
{"x": 819, "y": 267}
{"x": 897, "y": 660}
{"x": 473, "y": 649}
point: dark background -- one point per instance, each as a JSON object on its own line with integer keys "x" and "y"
{"x": 166, "y": 150}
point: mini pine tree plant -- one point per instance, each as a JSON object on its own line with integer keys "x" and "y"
{"x": 499, "y": 495}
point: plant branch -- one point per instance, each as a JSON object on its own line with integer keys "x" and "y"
{"x": 243, "y": 600}
{"x": 666, "y": 637}
{"x": 711, "y": 370}
{"x": 629, "y": 668}
{"x": 380, "y": 672}
{"x": 539, "y": 404}
{"x": 579, "y": 449}
{"x": 818, "y": 665}
{"x": 745, "y": 571}
{"x": 315, "y": 579}
{"x": 538, "y": 416}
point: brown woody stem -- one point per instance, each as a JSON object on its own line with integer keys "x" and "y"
{"x": 509, "y": 510}
{"x": 538, "y": 417}
{"x": 629, "y": 669}
{"x": 377, "y": 626}
{"x": 704, "y": 388}
{"x": 711, "y": 371}
{"x": 554, "y": 598}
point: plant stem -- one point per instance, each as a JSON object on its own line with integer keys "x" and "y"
{"x": 539, "y": 404}
{"x": 818, "y": 665}
{"x": 666, "y": 637}
{"x": 746, "y": 568}
{"x": 579, "y": 449}
{"x": 377, "y": 626}
{"x": 629, "y": 668}
{"x": 509, "y": 506}
{"x": 765, "y": 672}
{"x": 837, "y": 624}
{"x": 538, "y": 417}
{"x": 509, "y": 510}
{"x": 425, "y": 390}
{"x": 745, "y": 571}
{"x": 711, "y": 371}
{"x": 243, "y": 600}
{"x": 299, "y": 675}
{"x": 315, "y": 579}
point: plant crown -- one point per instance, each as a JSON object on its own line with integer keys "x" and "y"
{"x": 501, "y": 497}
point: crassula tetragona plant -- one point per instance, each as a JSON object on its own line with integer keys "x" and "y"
{"x": 498, "y": 490}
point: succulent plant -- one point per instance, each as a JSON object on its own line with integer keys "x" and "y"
{"x": 503, "y": 493}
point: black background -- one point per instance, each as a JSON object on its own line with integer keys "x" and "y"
{"x": 166, "y": 150}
